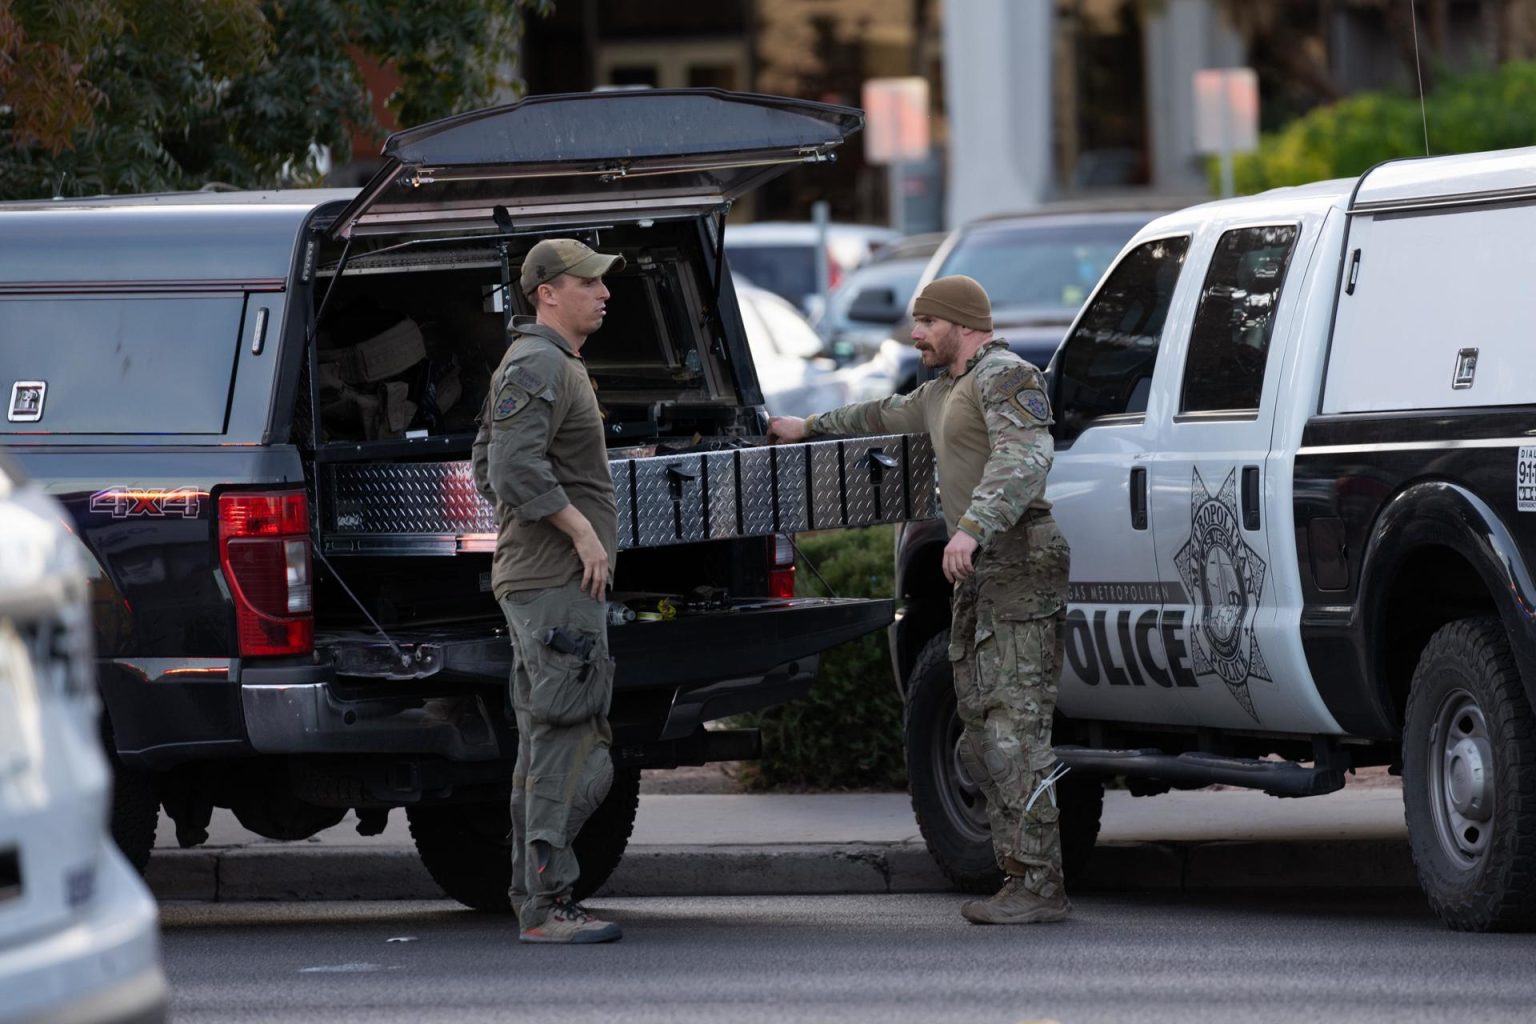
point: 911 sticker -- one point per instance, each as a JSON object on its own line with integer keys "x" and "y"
{"x": 1525, "y": 479}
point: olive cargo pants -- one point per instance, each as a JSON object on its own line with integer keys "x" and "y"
{"x": 560, "y": 697}
{"x": 1006, "y": 650}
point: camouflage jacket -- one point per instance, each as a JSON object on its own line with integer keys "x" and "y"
{"x": 990, "y": 428}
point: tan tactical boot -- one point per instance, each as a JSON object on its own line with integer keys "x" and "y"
{"x": 1015, "y": 904}
{"x": 569, "y": 921}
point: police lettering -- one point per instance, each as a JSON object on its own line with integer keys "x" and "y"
{"x": 1116, "y": 646}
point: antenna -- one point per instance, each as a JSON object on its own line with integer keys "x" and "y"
{"x": 1413, "y": 15}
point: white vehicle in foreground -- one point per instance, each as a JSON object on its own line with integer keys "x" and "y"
{"x": 79, "y": 938}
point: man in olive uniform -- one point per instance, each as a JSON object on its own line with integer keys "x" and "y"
{"x": 989, "y": 417}
{"x": 540, "y": 459}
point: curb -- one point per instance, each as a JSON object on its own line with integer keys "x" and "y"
{"x": 395, "y": 873}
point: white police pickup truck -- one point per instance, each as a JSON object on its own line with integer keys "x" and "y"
{"x": 1296, "y": 462}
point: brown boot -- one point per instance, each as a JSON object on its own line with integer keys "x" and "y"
{"x": 1015, "y": 904}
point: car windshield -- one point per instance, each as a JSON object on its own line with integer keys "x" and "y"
{"x": 786, "y": 270}
{"x": 1038, "y": 266}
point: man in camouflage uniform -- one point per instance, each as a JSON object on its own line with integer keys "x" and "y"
{"x": 989, "y": 418}
{"x": 540, "y": 459}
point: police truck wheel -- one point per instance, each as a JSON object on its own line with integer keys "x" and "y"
{"x": 951, "y": 810}
{"x": 466, "y": 850}
{"x": 1469, "y": 754}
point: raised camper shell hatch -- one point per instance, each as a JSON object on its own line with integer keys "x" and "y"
{"x": 581, "y": 157}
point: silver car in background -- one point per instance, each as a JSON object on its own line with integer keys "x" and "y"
{"x": 79, "y": 935}
{"x": 1037, "y": 267}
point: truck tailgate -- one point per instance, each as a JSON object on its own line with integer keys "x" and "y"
{"x": 745, "y": 639}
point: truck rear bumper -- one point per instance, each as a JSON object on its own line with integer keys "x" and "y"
{"x": 314, "y": 719}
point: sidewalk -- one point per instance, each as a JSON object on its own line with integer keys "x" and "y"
{"x": 741, "y": 844}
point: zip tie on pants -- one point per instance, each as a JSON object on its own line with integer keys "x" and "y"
{"x": 1049, "y": 784}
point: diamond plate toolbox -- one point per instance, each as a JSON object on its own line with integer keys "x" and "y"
{"x": 434, "y": 507}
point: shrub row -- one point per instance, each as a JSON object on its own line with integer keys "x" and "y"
{"x": 1486, "y": 110}
{"x": 846, "y": 734}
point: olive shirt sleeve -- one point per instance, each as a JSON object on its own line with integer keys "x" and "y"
{"x": 1018, "y": 418}
{"x": 480, "y": 455}
{"x": 521, "y": 418}
{"x": 898, "y": 414}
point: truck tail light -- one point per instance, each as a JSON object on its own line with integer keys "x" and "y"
{"x": 264, "y": 551}
{"x": 781, "y": 571}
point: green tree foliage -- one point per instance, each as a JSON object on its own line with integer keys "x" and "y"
{"x": 1487, "y": 110}
{"x": 104, "y": 96}
{"x": 846, "y": 733}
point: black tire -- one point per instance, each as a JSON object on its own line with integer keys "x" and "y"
{"x": 466, "y": 850}
{"x": 1469, "y": 779}
{"x": 135, "y": 807}
{"x": 951, "y": 810}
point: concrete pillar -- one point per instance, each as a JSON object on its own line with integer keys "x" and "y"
{"x": 997, "y": 87}
{"x": 1182, "y": 37}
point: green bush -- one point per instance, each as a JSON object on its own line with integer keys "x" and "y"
{"x": 1487, "y": 110}
{"x": 846, "y": 733}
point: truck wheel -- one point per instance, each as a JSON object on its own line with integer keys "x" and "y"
{"x": 135, "y": 813}
{"x": 1469, "y": 742}
{"x": 466, "y": 850}
{"x": 951, "y": 810}
{"x": 135, "y": 804}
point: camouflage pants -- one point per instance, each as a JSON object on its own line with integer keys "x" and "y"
{"x": 1006, "y": 650}
{"x": 563, "y": 766}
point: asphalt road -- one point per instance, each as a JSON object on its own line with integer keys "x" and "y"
{"x": 1297, "y": 956}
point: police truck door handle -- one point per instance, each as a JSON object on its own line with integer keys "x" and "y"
{"x": 1250, "y": 497}
{"x": 1139, "y": 498}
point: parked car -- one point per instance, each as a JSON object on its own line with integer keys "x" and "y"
{"x": 258, "y": 410}
{"x": 781, "y": 256}
{"x": 796, "y": 378}
{"x": 1036, "y": 267}
{"x": 79, "y": 938}
{"x": 1296, "y": 469}
{"x": 860, "y": 311}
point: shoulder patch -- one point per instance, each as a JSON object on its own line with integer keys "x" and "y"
{"x": 1018, "y": 389}
{"x": 510, "y": 401}
{"x": 1031, "y": 403}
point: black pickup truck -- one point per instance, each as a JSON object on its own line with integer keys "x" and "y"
{"x": 258, "y": 410}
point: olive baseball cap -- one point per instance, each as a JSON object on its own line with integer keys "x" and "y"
{"x": 555, "y": 256}
{"x": 959, "y": 299}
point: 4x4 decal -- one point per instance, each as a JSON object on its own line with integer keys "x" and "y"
{"x": 1224, "y": 579}
{"x": 132, "y": 503}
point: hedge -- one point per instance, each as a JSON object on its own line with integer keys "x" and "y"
{"x": 1467, "y": 113}
{"x": 846, "y": 733}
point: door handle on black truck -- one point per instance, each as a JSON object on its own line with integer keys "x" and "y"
{"x": 1250, "y": 497}
{"x": 1139, "y": 498}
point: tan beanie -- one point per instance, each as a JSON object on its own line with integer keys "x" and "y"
{"x": 958, "y": 299}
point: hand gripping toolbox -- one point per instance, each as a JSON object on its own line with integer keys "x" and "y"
{"x": 433, "y": 507}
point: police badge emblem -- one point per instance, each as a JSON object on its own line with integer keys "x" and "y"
{"x": 1034, "y": 402}
{"x": 1224, "y": 579}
